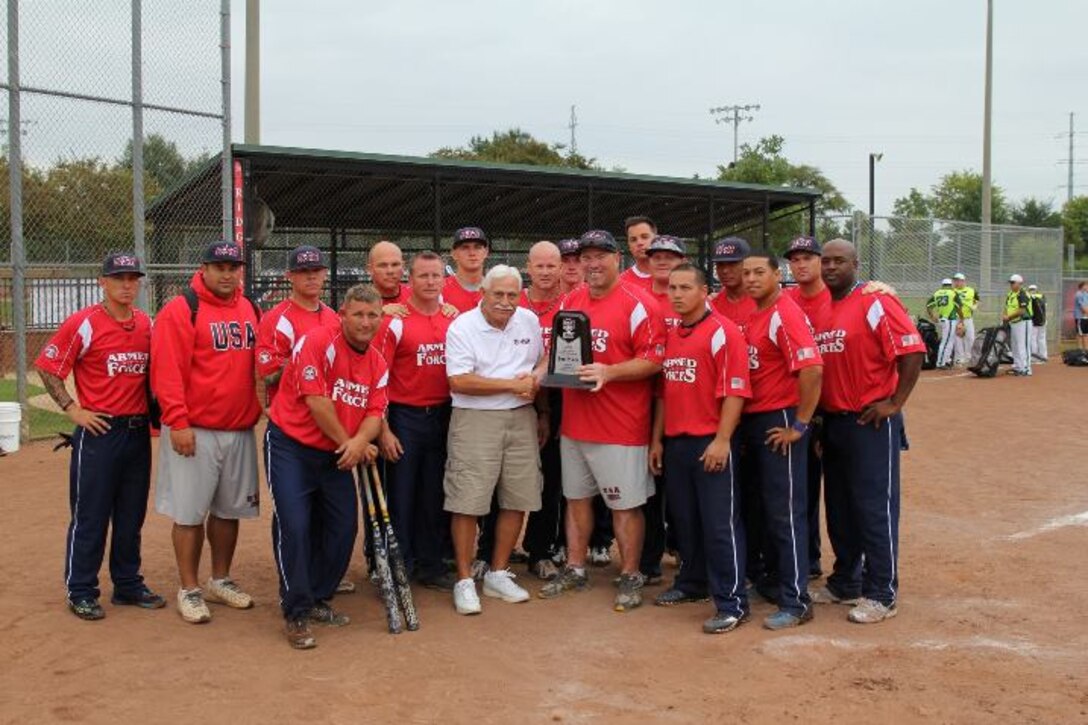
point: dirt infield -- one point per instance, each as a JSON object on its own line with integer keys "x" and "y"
{"x": 994, "y": 511}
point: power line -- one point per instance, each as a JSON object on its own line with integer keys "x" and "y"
{"x": 739, "y": 113}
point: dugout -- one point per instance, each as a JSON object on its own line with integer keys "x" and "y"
{"x": 343, "y": 202}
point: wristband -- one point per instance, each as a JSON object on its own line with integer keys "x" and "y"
{"x": 67, "y": 405}
{"x": 800, "y": 427}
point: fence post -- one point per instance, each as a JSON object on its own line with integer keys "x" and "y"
{"x": 18, "y": 250}
{"x": 138, "y": 144}
{"x": 227, "y": 170}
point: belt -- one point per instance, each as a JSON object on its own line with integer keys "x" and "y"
{"x": 128, "y": 421}
{"x": 425, "y": 409}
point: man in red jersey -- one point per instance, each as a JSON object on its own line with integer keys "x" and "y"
{"x": 321, "y": 425}
{"x": 572, "y": 275}
{"x": 785, "y": 370}
{"x": 665, "y": 253}
{"x": 106, "y": 347}
{"x": 470, "y": 249}
{"x": 640, "y": 232}
{"x": 873, "y": 354}
{"x": 731, "y": 301}
{"x": 606, "y": 430}
{"x": 385, "y": 263}
{"x": 286, "y": 323}
{"x": 203, "y": 373}
{"x": 413, "y": 440}
{"x": 704, "y": 383}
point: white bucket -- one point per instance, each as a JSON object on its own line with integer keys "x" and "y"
{"x": 10, "y": 417}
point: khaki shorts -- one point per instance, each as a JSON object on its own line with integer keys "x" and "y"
{"x": 489, "y": 450}
{"x": 221, "y": 479}
{"x": 621, "y": 474}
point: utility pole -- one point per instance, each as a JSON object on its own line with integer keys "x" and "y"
{"x": 1069, "y": 183}
{"x": 734, "y": 115}
{"x": 252, "y": 123}
{"x": 572, "y": 126}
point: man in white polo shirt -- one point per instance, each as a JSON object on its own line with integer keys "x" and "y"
{"x": 491, "y": 351}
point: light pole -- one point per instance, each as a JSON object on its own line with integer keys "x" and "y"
{"x": 736, "y": 114}
{"x": 873, "y": 158}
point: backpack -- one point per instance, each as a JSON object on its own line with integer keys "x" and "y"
{"x": 194, "y": 303}
{"x": 1075, "y": 358}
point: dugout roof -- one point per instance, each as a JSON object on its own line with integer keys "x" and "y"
{"x": 404, "y": 195}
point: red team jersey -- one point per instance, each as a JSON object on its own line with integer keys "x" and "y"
{"x": 282, "y": 327}
{"x": 415, "y": 348}
{"x": 816, "y": 307}
{"x": 738, "y": 311}
{"x": 325, "y": 365}
{"x": 203, "y": 373}
{"x": 703, "y": 364}
{"x": 863, "y": 337}
{"x": 668, "y": 314}
{"x": 625, "y": 324}
{"x": 109, "y": 359}
{"x": 545, "y": 311}
{"x": 633, "y": 277}
{"x": 463, "y": 299}
{"x": 780, "y": 344}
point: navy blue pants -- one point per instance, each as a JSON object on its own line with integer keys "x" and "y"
{"x": 108, "y": 481}
{"x": 783, "y": 490}
{"x": 705, "y": 513}
{"x": 861, "y": 482}
{"x": 815, "y": 474}
{"x": 314, "y": 521}
{"x": 414, "y": 486}
{"x": 544, "y": 526}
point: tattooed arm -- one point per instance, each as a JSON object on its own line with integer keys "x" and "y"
{"x": 96, "y": 423}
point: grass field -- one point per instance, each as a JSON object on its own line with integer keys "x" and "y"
{"x": 43, "y": 423}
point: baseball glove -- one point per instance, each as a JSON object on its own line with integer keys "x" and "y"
{"x": 960, "y": 329}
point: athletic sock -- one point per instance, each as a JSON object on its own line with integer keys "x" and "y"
{"x": 579, "y": 570}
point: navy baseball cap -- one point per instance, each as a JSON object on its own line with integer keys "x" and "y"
{"x": 730, "y": 249}
{"x": 122, "y": 263}
{"x": 667, "y": 243}
{"x": 567, "y": 247}
{"x": 470, "y": 234}
{"x": 305, "y": 257}
{"x": 803, "y": 244}
{"x": 222, "y": 252}
{"x": 597, "y": 239}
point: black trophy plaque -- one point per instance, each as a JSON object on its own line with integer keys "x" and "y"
{"x": 571, "y": 348}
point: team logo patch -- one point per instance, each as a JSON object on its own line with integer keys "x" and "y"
{"x": 309, "y": 373}
{"x": 911, "y": 340}
{"x": 228, "y": 251}
{"x": 265, "y": 357}
{"x": 51, "y": 352}
{"x": 308, "y": 256}
{"x": 124, "y": 260}
{"x": 737, "y": 383}
{"x": 806, "y": 353}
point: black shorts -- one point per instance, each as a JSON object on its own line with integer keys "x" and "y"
{"x": 1082, "y": 326}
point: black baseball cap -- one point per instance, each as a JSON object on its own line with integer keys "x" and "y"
{"x": 667, "y": 243}
{"x": 567, "y": 247}
{"x": 122, "y": 263}
{"x": 730, "y": 249}
{"x": 470, "y": 234}
{"x": 222, "y": 252}
{"x": 803, "y": 244}
{"x": 305, "y": 257}
{"x": 597, "y": 239}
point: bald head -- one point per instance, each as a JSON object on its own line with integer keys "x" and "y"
{"x": 386, "y": 266}
{"x": 543, "y": 267}
{"x": 839, "y": 266}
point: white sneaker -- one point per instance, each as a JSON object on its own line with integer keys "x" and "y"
{"x": 465, "y": 600}
{"x": 225, "y": 591}
{"x": 500, "y": 584}
{"x": 560, "y": 556}
{"x": 545, "y": 570}
{"x": 869, "y": 611}
{"x": 191, "y": 606}
{"x": 600, "y": 556}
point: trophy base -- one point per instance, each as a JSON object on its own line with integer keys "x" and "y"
{"x": 558, "y": 380}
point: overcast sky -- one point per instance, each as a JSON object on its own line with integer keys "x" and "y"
{"x": 837, "y": 79}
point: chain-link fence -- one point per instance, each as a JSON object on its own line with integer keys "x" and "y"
{"x": 914, "y": 255}
{"x": 108, "y": 106}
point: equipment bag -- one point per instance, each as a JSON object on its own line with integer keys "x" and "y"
{"x": 1075, "y": 358}
{"x": 991, "y": 344}
{"x": 928, "y": 331}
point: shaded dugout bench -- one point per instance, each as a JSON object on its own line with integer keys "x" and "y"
{"x": 343, "y": 202}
